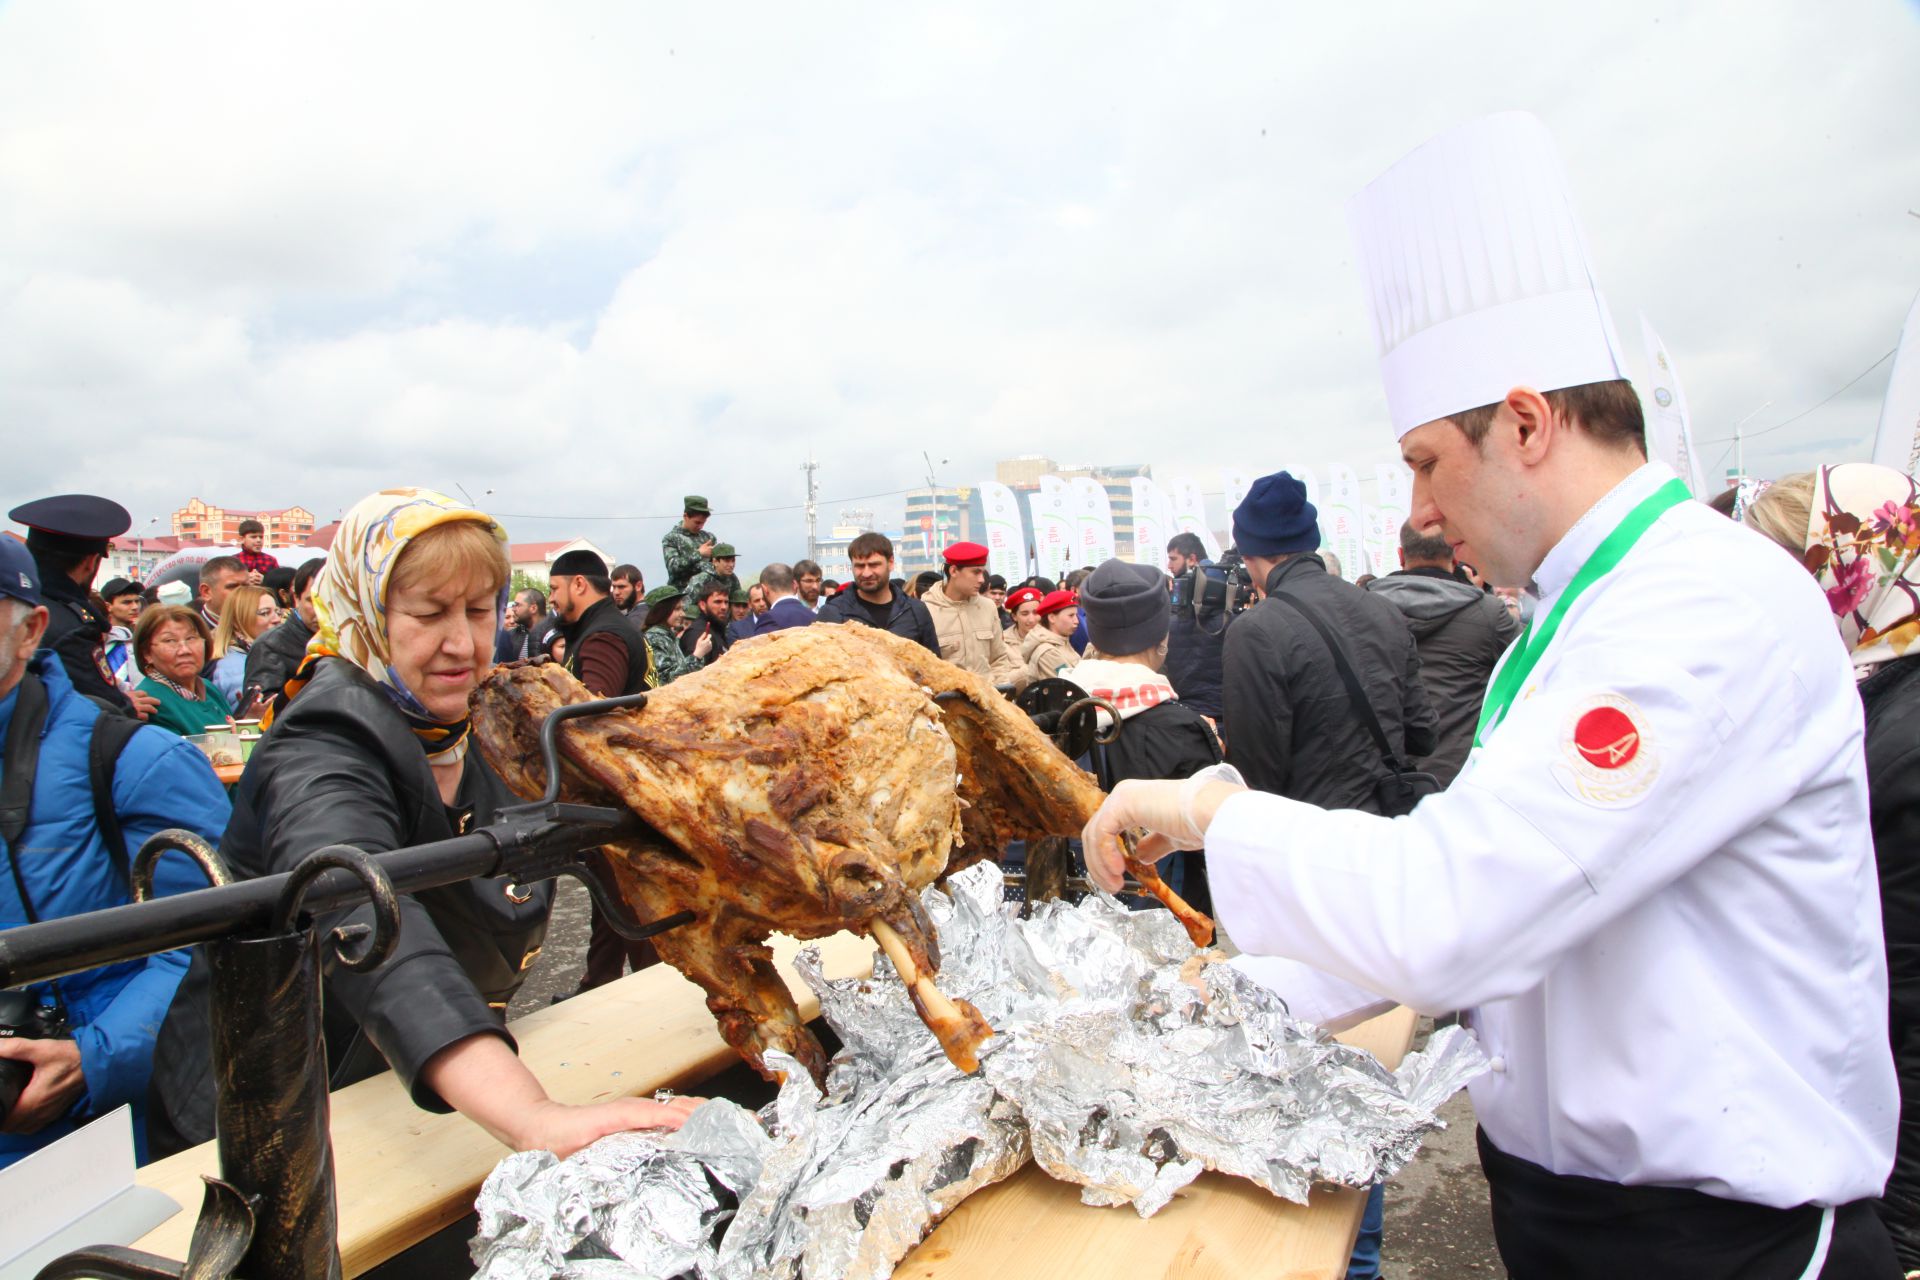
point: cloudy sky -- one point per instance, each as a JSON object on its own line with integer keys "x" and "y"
{"x": 590, "y": 257}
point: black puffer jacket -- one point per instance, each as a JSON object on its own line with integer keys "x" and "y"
{"x": 1461, "y": 632}
{"x": 1291, "y": 729}
{"x": 276, "y": 655}
{"x": 1194, "y": 660}
{"x": 340, "y": 766}
{"x": 1891, "y": 697}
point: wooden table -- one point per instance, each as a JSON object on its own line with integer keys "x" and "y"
{"x": 404, "y": 1174}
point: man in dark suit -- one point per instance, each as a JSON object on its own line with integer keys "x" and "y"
{"x": 787, "y": 609}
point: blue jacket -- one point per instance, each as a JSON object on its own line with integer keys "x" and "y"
{"x": 786, "y": 612}
{"x": 906, "y": 617}
{"x": 160, "y": 782}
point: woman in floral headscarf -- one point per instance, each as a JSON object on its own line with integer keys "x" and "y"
{"x": 1857, "y": 530}
{"x": 369, "y": 748}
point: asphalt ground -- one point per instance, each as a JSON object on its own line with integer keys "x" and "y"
{"x": 1436, "y": 1226}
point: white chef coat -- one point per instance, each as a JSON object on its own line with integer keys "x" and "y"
{"x": 1674, "y": 963}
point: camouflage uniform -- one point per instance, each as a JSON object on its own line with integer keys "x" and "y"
{"x": 681, "y": 550}
{"x": 668, "y": 662}
{"x": 731, "y": 581}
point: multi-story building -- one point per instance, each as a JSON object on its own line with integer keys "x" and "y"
{"x": 935, "y": 518}
{"x": 201, "y": 522}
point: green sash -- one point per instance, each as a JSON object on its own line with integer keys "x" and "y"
{"x": 1526, "y": 652}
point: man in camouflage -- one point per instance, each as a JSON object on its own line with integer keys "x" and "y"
{"x": 687, "y": 547}
{"x": 720, "y": 571}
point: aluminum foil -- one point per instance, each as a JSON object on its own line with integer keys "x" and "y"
{"x": 1123, "y": 1061}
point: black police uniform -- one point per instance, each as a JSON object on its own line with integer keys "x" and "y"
{"x": 76, "y": 630}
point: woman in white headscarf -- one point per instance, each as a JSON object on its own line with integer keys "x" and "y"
{"x": 1856, "y": 528}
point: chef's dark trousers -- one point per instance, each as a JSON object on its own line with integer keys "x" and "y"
{"x": 1552, "y": 1226}
{"x": 609, "y": 954}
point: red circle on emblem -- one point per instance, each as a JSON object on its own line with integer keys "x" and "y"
{"x": 1607, "y": 738}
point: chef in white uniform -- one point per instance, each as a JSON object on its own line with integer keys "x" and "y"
{"x": 1653, "y": 886}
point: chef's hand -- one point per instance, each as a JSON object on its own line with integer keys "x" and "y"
{"x": 704, "y": 645}
{"x": 564, "y": 1129}
{"x": 1175, "y": 815}
{"x": 144, "y": 704}
{"x": 50, "y": 1093}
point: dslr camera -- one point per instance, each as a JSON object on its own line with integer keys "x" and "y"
{"x": 1218, "y": 590}
{"x": 24, "y": 1018}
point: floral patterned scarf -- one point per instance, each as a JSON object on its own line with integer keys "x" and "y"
{"x": 350, "y": 599}
{"x": 1863, "y": 540}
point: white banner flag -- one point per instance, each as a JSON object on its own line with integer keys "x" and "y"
{"x": 1897, "y": 444}
{"x": 1094, "y": 517}
{"x": 1380, "y": 535}
{"x": 1394, "y": 500}
{"x": 1006, "y": 533}
{"x": 1236, "y": 484}
{"x": 1190, "y": 513}
{"x": 1053, "y": 527}
{"x": 1340, "y": 529}
{"x": 1152, "y": 522}
{"x": 1669, "y": 431}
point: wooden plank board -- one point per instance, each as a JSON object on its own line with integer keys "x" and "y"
{"x": 403, "y": 1174}
{"x": 1218, "y": 1227}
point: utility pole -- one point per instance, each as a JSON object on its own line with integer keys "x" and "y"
{"x": 813, "y": 495}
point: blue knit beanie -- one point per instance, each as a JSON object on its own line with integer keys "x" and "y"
{"x": 1275, "y": 518}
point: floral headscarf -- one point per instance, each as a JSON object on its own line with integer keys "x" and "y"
{"x": 350, "y": 597}
{"x": 1863, "y": 540}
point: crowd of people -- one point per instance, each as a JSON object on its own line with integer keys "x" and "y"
{"x": 1631, "y": 783}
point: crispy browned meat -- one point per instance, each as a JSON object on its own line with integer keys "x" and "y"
{"x": 815, "y": 780}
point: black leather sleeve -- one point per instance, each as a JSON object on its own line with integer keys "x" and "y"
{"x": 333, "y": 786}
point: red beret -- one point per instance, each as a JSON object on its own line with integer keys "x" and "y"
{"x": 1055, "y": 601}
{"x": 965, "y": 555}
{"x": 1020, "y": 595}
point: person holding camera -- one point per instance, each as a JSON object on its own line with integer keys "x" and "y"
{"x": 74, "y": 1049}
{"x": 1194, "y": 640}
{"x": 1321, "y": 680}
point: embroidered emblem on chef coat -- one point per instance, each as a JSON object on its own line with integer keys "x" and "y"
{"x": 1607, "y": 759}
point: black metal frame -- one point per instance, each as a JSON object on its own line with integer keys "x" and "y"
{"x": 271, "y": 1213}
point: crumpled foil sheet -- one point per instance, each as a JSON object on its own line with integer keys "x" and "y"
{"x": 1123, "y": 1061}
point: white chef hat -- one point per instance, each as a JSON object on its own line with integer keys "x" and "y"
{"x": 1477, "y": 275}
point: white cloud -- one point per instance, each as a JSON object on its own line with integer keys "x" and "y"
{"x": 596, "y": 257}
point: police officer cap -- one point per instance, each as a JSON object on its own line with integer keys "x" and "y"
{"x": 117, "y": 587}
{"x": 724, "y": 551}
{"x": 1275, "y": 518}
{"x": 578, "y": 561}
{"x": 696, "y": 505}
{"x": 965, "y": 555}
{"x": 659, "y": 594}
{"x": 79, "y": 523}
{"x": 1127, "y": 607}
{"x": 19, "y": 578}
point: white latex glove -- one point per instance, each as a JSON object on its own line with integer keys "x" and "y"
{"x": 1174, "y": 814}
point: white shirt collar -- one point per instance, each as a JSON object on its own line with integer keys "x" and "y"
{"x": 1591, "y": 529}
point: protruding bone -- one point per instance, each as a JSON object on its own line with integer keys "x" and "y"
{"x": 955, "y": 1023}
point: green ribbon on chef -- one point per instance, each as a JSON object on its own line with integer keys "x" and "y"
{"x": 1528, "y": 649}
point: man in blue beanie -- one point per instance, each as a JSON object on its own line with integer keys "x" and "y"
{"x": 1296, "y": 732}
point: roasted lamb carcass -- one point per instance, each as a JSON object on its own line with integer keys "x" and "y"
{"x": 814, "y": 781}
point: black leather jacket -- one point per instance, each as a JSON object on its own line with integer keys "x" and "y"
{"x": 341, "y": 766}
{"x": 276, "y": 655}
